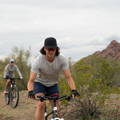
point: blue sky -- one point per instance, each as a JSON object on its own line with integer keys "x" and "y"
{"x": 81, "y": 27}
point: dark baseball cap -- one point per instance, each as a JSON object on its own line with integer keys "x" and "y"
{"x": 50, "y": 42}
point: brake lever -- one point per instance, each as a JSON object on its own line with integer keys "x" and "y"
{"x": 41, "y": 98}
{"x": 68, "y": 98}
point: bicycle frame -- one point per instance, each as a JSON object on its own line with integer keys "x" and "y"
{"x": 54, "y": 108}
{"x": 54, "y": 112}
{"x": 13, "y": 83}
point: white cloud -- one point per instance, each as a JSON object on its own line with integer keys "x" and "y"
{"x": 76, "y": 25}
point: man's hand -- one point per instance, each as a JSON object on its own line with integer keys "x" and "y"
{"x": 75, "y": 93}
{"x": 31, "y": 94}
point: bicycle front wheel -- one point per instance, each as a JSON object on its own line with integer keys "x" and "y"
{"x": 7, "y": 98}
{"x": 14, "y": 97}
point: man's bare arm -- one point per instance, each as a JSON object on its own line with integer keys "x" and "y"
{"x": 69, "y": 79}
{"x": 31, "y": 81}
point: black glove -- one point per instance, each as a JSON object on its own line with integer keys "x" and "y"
{"x": 6, "y": 77}
{"x": 75, "y": 93}
{"x": 31, "y": 94}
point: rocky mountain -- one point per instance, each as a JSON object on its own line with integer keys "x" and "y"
{"x": 111, "y": 51}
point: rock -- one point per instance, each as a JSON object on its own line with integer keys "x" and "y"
{"x": 111, "y": 51}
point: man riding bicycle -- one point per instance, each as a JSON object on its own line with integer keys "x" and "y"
{"x": 45, "y": 73}
{"x": 9, "y": 72}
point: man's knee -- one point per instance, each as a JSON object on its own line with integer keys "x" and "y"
{"x": 8, "y": 80}
{"x": 41, "y": 105}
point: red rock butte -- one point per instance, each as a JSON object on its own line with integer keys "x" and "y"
{"x": 111, "y": 51}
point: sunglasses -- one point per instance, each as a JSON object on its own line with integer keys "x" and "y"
{"x": 51, "y": 49}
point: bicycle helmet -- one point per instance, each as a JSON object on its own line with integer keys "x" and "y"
{"x": 12, "y": 60}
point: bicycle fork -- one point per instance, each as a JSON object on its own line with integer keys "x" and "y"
{"x": 55, "y": 112}
{"x": 45, "y": 114}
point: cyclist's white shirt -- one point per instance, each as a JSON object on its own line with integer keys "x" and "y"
{"x": 10, "y": 71}
{"x": 48, "y": 72}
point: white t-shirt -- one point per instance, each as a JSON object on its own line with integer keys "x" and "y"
{"x": 48, "y": 72}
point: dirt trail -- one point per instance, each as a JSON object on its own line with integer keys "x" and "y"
{"x": 24, "y": 111}
{"x": 26, "y": 107}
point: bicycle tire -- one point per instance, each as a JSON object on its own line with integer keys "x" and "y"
{"x": 14, "y": 97}
{"x": 7, "y": 98}
{"x": 57, "y": 119}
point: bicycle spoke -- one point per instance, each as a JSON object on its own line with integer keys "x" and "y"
{"x": 7, "y": 98}
{"x": 14, "y": 97}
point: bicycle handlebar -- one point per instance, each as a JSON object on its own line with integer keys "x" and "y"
{"x": 65, "y": 97}
{"x": 13, "y": 78}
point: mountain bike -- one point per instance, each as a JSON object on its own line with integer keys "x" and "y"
{"x": 12, "y": 97}
{"x": 54, "y": 111}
